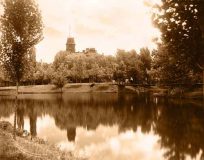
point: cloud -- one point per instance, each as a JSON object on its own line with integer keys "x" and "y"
{"x": 107, "y": 143}
{"x": 52, "y": 32}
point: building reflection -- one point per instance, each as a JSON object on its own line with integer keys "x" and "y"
{"x": 71, "y": 134}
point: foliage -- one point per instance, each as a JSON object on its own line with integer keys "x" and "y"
{"x": 181, "y": 52}
{"x": 30, "y": 67}
{"x": 145, "y": 65}
{"x": 84, "y": 68}
{"x": 59, "y": 77}
{"x": 43, "y": 73}
{"x": 133, "y": 66}
{"x": 59, "y": 70}
{"x": 21, "y": 29}
{"x": 99, "y": 68}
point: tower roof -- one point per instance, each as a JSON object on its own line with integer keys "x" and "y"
{"x": 70, "y": 40}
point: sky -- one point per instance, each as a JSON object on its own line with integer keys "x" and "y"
{"x": 106, "y": 25}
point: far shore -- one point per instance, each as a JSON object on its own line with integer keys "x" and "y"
{"x": 102, "y": 88}
{"x": 52, "y": 89}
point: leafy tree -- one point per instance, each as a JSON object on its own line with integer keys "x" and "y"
{"x": 21, "y": 29}
{"x": 31, "y": 67}
{"x": 180, "y": 55}
{"x": 60, "y": 58}
{"x": 59, "y": 77}
{"x": 1, "y": 74}
{"x": 127, "y": 66}
{"x": 43, "y": 73}
{"x": 145, "y": 65}
{"x": 86, "y": 67}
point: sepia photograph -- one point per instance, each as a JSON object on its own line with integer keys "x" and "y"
{"x": 101, "y": 79}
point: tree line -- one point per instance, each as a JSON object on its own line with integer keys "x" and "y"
{"x": 90, "y": 68}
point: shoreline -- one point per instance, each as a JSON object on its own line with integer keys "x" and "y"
{"x": 102, "y": 88}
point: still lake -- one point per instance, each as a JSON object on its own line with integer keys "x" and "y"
{"x": 110, "y": 126}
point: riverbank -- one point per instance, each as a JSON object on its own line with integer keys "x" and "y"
{"x": 26, "y": 149}
{"x": 74, "y": 87}
{"x": 196, "y": 93}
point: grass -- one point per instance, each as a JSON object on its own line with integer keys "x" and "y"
{"x": 25, "y": 149}
{"x": 102, "y": 88}
{"x": 73, "y": 86}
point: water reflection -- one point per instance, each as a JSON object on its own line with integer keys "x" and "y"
{"x": 170, "y": 129}
{"x": 20, "y": 117}
{"x": 181, "y": 128}
{"x": 71, "y": 133}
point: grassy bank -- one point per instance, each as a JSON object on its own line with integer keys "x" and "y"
{"x": 26, "y": 149}
{"x": 71, "y": 88}
{"x": 104, "y": 88}
{"x": 75, "y": 87}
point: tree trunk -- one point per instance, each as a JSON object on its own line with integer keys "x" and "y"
{"x": 17, "y": 88}
{"x": 203, "y": 83}
{"x": 202, "y": 68}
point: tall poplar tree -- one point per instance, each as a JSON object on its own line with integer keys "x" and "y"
{"x": 21, "y": 30}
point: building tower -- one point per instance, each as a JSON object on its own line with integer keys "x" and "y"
{"x": 70, "y": 45}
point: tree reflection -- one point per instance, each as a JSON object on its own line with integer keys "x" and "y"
{"x": 6, "y": 106}
{"x": 20, "y": 117}
{"x": 15, "y": 115}
{"x": 33, "y": 122}
{"x": 181, "y": 129}
{"x": 179, "y": 124}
